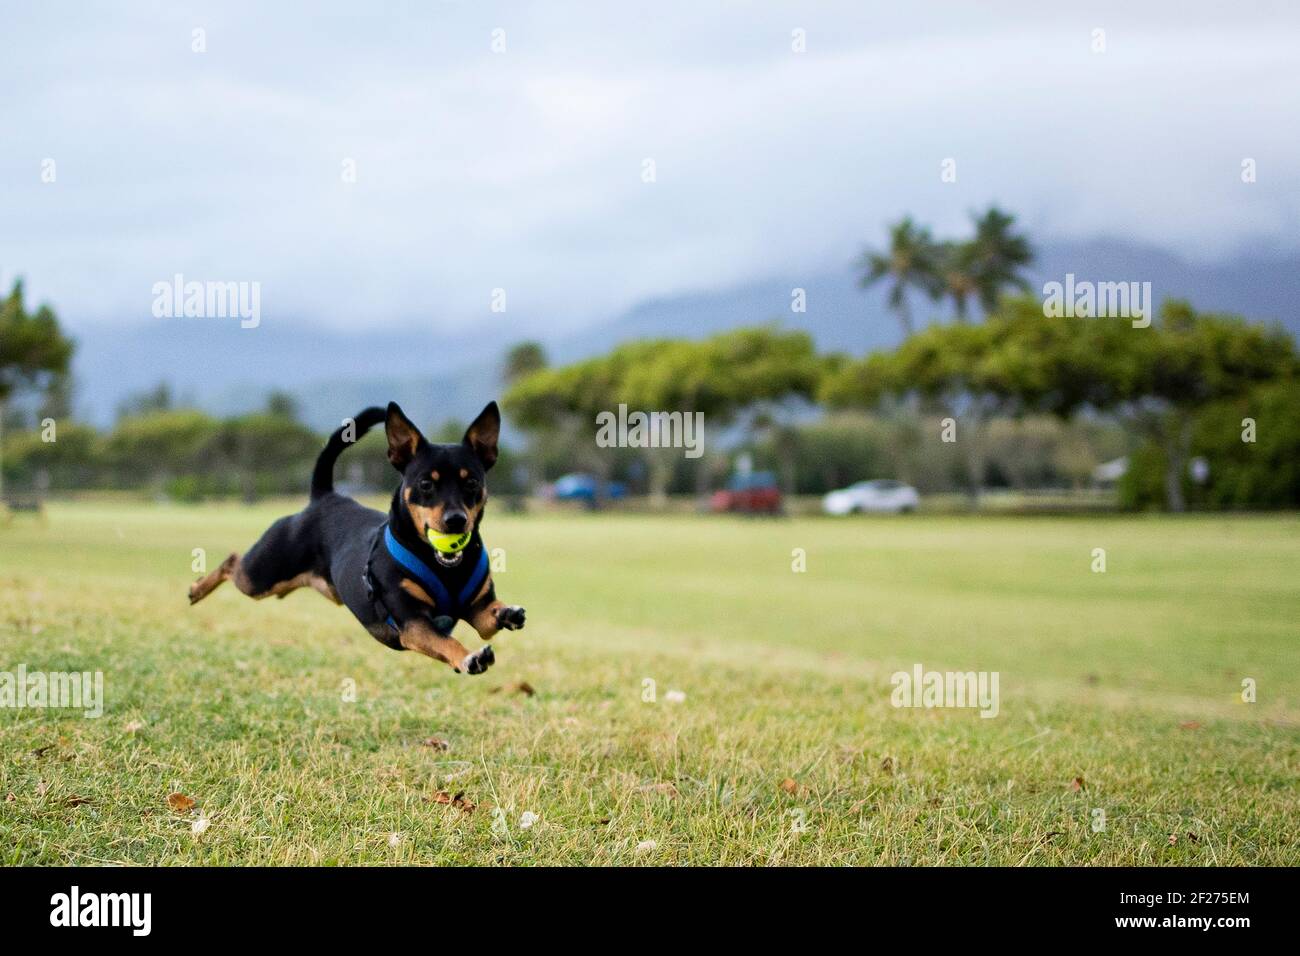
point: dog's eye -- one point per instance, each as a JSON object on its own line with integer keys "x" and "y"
{"x": 425, "y": 485}
{"x": 471, "y": 484}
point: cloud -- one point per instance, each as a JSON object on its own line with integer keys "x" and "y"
{"x": 523, "y": 170}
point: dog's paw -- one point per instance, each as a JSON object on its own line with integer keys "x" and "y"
{"x": 479, "y": 661}
{"x": 510, "y": 617}
{"x": 194, "y": 593}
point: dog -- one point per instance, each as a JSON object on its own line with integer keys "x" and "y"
{"x": 406, "y": 593}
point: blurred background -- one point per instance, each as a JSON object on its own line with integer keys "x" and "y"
{"x": 829, "y": 230}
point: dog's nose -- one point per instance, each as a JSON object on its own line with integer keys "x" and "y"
{"x": 455, "y": 521}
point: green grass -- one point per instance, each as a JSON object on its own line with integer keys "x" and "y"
{"x": 1129, "y": 680}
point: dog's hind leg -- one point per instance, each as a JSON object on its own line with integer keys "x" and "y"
{"x": 232, "y": 569}
{"x": 211, "y": 581}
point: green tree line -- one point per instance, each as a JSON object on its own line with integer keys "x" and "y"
{"x": 1017, "y": 399}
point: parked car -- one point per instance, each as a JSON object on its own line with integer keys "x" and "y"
{"x": 587, "y": 489}
{"x": 752, "y": 493}
{"x": 881, "y": 495}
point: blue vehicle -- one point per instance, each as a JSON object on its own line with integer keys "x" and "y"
{"x": 588, "y": 489}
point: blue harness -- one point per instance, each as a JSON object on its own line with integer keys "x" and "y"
{"x": 447, "y": 608}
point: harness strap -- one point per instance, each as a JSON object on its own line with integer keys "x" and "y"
{"x": 448, "y": 608}
{"x": 421, "y": 571}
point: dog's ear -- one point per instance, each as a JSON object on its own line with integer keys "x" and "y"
{"x": 482, "y": 435}
{"x": 403, "y": 437}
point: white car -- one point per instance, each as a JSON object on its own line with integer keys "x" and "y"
{"x": 882, "y": 494}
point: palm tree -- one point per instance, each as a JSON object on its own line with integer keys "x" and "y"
{"x": 983, "y": 266}
{"x": 958, "y": 275}
{"x": 998, "y": 256}
{"x": 909, "y": 264}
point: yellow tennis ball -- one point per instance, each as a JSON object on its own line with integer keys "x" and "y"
{"x": 448, "y": 543}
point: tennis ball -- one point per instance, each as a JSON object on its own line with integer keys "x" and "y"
{"x": 448, "y": 543}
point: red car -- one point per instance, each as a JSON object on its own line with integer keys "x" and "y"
{"x": 755, "y": 493}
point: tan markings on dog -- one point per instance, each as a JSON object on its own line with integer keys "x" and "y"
{"x": 423, "y": 518}
{"x": 232, "y": 568}
{"x": 325, "y": 588}
{"x": 417, "y": 592}
{"x": 436, "y": 477}
{"x": 464, "y": 473}
{"x": 214, "y": 579}
{"x": 419, "y": 636}
{"x": 485, "y": 620}
{"x": 487, "y": 586}
{"x": 305, "y": 580}
{"x": 288, "y": 587}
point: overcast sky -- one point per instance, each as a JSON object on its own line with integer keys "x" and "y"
{"x": 523, "y": 169}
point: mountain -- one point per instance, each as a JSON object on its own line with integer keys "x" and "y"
{"x": 1262, "y": 285}
{"x": 226, "y": 370}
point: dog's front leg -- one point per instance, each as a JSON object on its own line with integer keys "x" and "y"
{"x": 418, "y": 636}
{"x": 497, "y": 617}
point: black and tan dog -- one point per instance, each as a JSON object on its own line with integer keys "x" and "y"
{"x": 404, "y": 592}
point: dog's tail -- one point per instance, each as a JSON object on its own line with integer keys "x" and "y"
{"x": 322, "y": 478}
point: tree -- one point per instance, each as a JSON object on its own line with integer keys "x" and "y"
{"x": 957, "y": 276}
{"x": 33, "y": 349}
{"x": 280, "y": 404}
{"x": 34, "y": 352}
{"x": 522, "y": 359}
{"x": 156, "y": 399}
{"x": 1184, "y": 363}
{"x": 998, "y": 256}
{"x": 978, "y": 269}
{"x": 718, "y": 376}
{"x": 910, "y": 264}
{"x": 1015, "y": 362}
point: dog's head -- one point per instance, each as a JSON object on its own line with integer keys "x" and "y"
{"x": 443, "y": 486}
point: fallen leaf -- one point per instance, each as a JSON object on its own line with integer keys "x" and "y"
{"x": 1190, "y": 725}
{"x": 76, "y": 801}
{"x": 887, "y": 765}
{"x": 180, "y": 803}
{"x": 458, "y": 801}
{"x": 518, "y": 687}
{"x": 675, "y": 697}
{"x": 790, "y": 786}
{"x": 1193, "y": 837}
{"x": 42, "y": 751}
{"x": 645, "y": 846}
{"x": 394, "y": 839}
{"x": 1077, "y": 784}
{"x": 437, "y": 743}
{"x": 1173, "y": 839}
{"x": 200, "y": 825}
{"x": 10, "y": 797}
{"x": 527, "y": 819}
{"x": 134, "y": 725}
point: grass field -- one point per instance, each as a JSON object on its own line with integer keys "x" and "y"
{"x": 1120, "y": 692}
